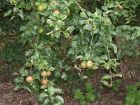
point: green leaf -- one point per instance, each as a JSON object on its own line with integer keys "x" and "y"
{"x": 19, "y": 80}
{"x": 83, "y": 14}
{"x": 85, "y": 77}
{"x": 90, "y": 96}
{"x": 57, "y": 90}
{"x": 51, "y": 90}
{"x": 87, "y": 56}
{"x": 46, "y": 102}
{"x": 24, "y": 72}
{"x": 78, "y": 94}
{"x": 8, "y": 13}
{"x": 27, "y": 88}
{"x": 43, "y": 95}
{"x": 106, "y": 83}
{"x": 50, "y": 22}
{"x": 114, "y": 47}
{"x": 104, "y": 57}
{"x": 79, "y": 57}
{"x": 70, "y": 29}
{"x": 74, "y": 44}
{"x": 106, "y": 77}
{"x": 118, "y": 75}
{"x": 35, "y": 86}
{"x": 82, "y": 22}
{"x": 89, "y": 87}
{"x": 107, "y": 66}
{"x": 88, "y": 27}
{"x": 60, "y": 23}
{"x": 59, "y": 99}
{"x": 17, "y": 87}
{"x": 20, "y": 13}
{"x": 64, "y": 76}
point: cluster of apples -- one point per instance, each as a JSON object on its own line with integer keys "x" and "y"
{"x": 42, "y": 6}
{"x": 44, "y": 81}
{"x": 86, "y": 64}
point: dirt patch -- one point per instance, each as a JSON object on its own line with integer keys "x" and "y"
{"x": 10, "y": 97}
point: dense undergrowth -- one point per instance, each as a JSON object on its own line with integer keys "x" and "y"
{"x": 62, "y": 38}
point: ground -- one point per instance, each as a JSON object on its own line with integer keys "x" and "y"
{"x": 108, "y": 97}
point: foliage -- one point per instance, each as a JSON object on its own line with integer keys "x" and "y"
{"x": 128, "y": 40}
{"x": 133, "y": 94}
{"x": 12, "y": 52}
{"x": 121, "y": 12}
{"x": 61, "y": 35}
{"x": 87, "y": 95}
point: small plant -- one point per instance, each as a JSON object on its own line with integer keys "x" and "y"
{"x": 87, "y": 95}
{"x": 109, "y": 80}
{"x": 116, "y": 85}
{"x": 133, "y": 94}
